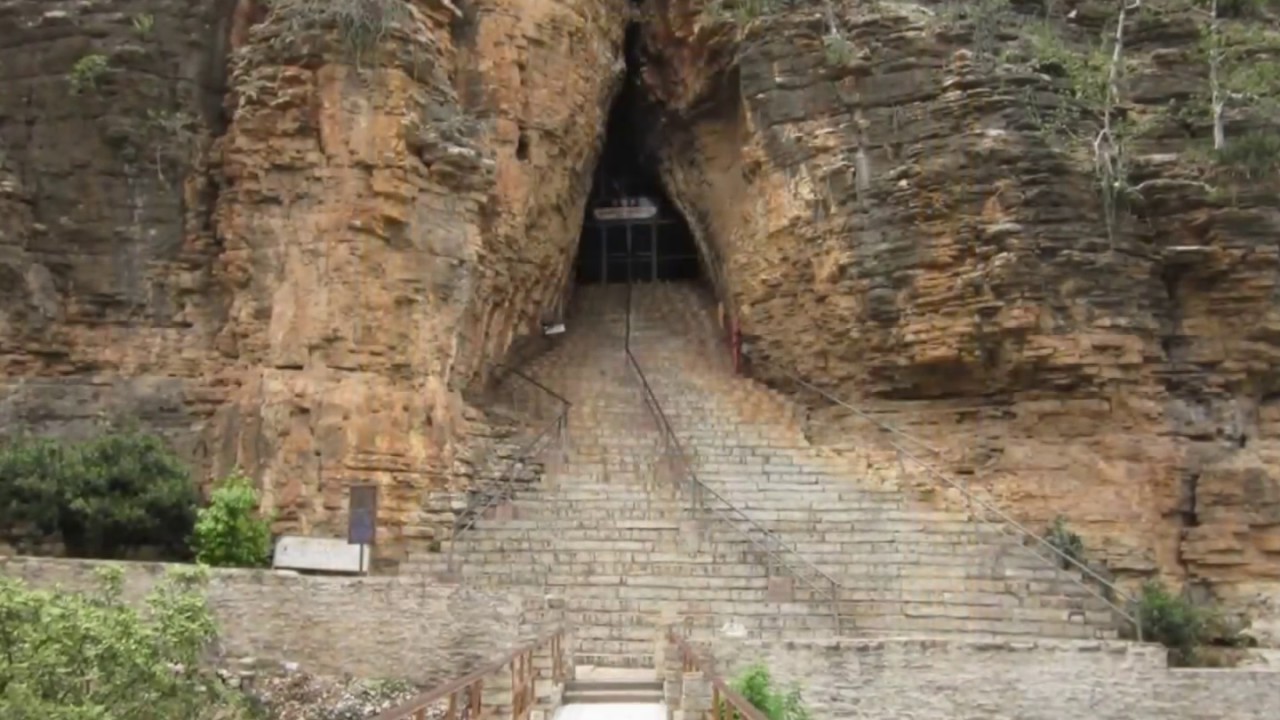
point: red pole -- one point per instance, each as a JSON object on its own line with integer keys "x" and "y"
{"x": 735, "y": 343}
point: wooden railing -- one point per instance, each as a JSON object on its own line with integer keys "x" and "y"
{"x": 465, "y": 695}
{"x": 726, "y": 703}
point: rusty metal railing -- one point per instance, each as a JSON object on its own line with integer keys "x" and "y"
{"x": 1007, "y": 526}
{"x": 506, "y": 486}
{"x": 464, "y": 696}
{"x": 706, "y": 499}
{"x": 726, "y": 703}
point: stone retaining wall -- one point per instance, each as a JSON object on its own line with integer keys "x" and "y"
{"x": 928, "y": 679}
{"x": 366, "y": 626}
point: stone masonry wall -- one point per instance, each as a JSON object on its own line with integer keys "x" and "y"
{"x": 365, "y": 626}
{"x": 974, "y": 680}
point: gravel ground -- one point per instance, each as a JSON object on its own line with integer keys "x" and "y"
{"x": 299, "y": 695}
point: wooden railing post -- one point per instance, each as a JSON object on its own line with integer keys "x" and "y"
{"x": 505, "y": 688}
{"x": 702, "y": 694}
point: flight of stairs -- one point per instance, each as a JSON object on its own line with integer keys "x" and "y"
{"x": 611, "y": 539}
{"x": 605, "y": 537}
{"x": 597, "y": 686}
{"x": 906, "y": 568}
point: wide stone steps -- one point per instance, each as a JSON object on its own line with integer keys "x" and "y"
{"x": 612, "y": 534}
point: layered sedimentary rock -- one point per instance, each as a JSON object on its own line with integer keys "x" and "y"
{"x": 892, "y": 224}
{"x": 361, "y": 225}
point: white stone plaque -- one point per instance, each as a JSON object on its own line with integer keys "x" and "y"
{"x": 295, "y": 552}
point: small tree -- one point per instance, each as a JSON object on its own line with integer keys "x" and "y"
{"x": 230, "y": 532}
{"x": 1244, "y": 67}
{"x": 89, "y": 656}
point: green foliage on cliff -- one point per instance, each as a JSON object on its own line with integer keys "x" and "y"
{"x": 1065, "y": 541}
{"x": 87, "y": 73}
{"x": 361, "y": 24}
{"x": 229, "y": 531}
{"x": 756, "y": 686}
{"x": 1252, "y": 156}
{"x": 117, "y": 491}
{"x": 89, "y": 656}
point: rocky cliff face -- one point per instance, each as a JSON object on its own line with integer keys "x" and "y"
{"x": 296, "y": 253}
{"x": 298, "y": 249}
{"x": 893, "y": 224}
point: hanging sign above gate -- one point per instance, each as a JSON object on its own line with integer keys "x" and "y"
{"x": 640, "y": 208}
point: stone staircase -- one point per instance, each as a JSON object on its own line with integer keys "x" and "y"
{"x": 601, "y": 538}
{"x": 906, "y": 568}
{"x": 607, "y": 542}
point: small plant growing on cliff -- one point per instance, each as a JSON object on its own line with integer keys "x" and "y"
{"x": 755, "y": 685}
{"x": 230, "y": 532}
{"x": 1093, "y": 94}
{"x": 143, "y": 24}
{"x": 173, "y": 138}
{"x": 90, "y": 655}
{"x": 361, "y": 24}
{"x": 1065, "y": 541}
{"x": 1252, "y": 156}
{"x": 837, "y": 49}
{"x": 86, "y": 74}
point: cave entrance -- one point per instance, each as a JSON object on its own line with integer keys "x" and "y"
{"x": 632, "y": 231}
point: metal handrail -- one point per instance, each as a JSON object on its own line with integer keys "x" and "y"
{"x": 524, "y": 676}
{"x": 504, "y": 488}
{"x": 937, "y": 474}
{"x": 781, "y": 552}
{"x": 534, "y": 382}
{"x": 720, "y": 690}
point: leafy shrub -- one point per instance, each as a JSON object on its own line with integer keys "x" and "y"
{"x": 86, "y": 73}
{"x": 230, "y": 532}
{"x": 1065, "y": 541}
{"x": 755, "y": 685}
{"x": 74, "y": 656}
{"x": 116, "y": 491}
{"x": 1173, "y": 621}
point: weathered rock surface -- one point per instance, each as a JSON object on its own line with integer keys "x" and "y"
{"x": 374, "y": 229}
{"x": 891, "y": 226}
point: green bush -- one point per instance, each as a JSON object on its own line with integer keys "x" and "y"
{"x": 755, "y": 685}
{"x": 1173, "y": 621}
{"x": 73, "y": 656}
{"x": 230, "y": 532}
{"x": 117, "y": 491}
